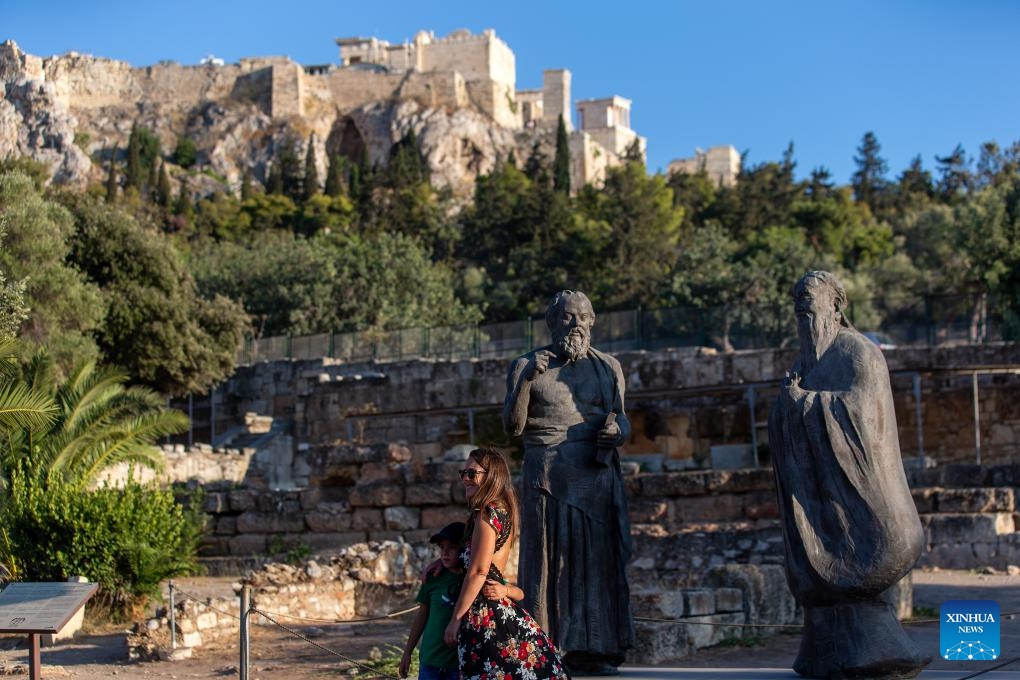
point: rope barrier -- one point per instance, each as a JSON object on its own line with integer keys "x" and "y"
{"x": 205, "y": 603}
{"x": 322, "y": 647}
{"x": 381, "y": 617}
{"x": 369, "y": 619}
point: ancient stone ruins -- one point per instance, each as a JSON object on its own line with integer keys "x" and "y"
{"x": 355, "y": 465}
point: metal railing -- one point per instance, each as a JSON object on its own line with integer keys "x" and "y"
{"x": 928, "y": 320}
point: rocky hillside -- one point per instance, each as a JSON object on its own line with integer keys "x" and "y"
{"x": 72, "y": 112}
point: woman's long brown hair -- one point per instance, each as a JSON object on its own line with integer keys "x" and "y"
{"x": 496, "y": 488}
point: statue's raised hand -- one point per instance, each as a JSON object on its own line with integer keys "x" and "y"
{"x": 541, "y": 363}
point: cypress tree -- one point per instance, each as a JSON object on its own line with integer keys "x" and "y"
{"x": 183, "y": 206}
{"x": 561, "y": 162}
{"x": 133, "y": 174}
{"x": 246, "y": 188}
{"x": 311, "y": 179}
{"x": 274, "y": 183}
{"x": 335, "y": 176}
{"x": 163, "y": 191}
{"x": 111, "y": 180}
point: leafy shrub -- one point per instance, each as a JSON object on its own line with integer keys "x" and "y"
{"x": 128, "y": 540}
{"x": 185, "y": 153}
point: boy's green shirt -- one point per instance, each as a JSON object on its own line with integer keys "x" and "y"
{"x": 439, "y": 594}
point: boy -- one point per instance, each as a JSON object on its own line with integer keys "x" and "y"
{"x": 437, "y": 596}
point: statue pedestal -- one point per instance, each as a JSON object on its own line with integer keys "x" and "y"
{"x": 857, "y": 640}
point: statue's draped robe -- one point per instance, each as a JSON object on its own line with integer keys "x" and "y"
{"x": 849, "y": 521}
{"x": 575, "y": 533}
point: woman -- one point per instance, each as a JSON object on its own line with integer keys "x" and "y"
{"x": 495, "y": 638}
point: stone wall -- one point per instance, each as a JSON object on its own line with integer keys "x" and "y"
{"x": 682, "y": 401}
{"x": 684, "y": 523}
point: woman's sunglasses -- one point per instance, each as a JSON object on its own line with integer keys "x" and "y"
{"x": 470, "y": 473}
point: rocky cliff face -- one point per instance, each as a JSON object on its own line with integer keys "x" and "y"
{"x": 72, "y": 112}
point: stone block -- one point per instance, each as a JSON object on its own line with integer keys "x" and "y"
{"x": 401, "y": 518}
{"x": 215, "y": 502}
{"x": 270, "y": 523}
{"x": 322, "y": 521}
{"x": 248, "y": 544}
{"x": 367, "y": 519}
{"x": 643, "y": 511}
{"x": 429, "y": 493}
{"x": 967, "y": 528}
{"x": 225, "y": 526}
{"x": 379, "y": 472}
{"x": 729, "y": 600}
{"x": 713, "y": 508}
{"x": 739, "y": 480}
{"x": 658, "y": 604}
{"x": 983, "y": 500}
{"x": 766, "y": 596}
{"x": 732, "y": 457}
{"x": 761, "y": 505}
{"x": 377, "y": 495}
{"x": 435, "y": 518}
{"x": 242, "y": 500}
{"x": 658, "y": 643}
{"x": 206, "y": 620}
{"x": 698, "y": 602}
{"x": 192, "y": 640}
{"x": 672, "y": 484}
{"x": 962, "y": 475}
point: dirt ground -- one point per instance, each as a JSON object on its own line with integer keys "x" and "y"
{"x": 277, "y": 654}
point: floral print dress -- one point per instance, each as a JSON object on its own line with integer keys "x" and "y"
{"x": 498, "y": 640}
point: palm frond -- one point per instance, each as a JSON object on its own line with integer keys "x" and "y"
{"x": 24, "y": 408}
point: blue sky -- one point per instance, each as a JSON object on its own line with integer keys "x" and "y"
{"x": 924, "y": 75}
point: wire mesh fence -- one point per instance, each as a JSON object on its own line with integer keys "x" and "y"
{"x": 892, "y": 320}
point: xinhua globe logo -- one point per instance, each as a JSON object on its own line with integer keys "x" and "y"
{"x": 969, "y": 630}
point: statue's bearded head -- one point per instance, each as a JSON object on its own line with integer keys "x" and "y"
{"x": 570, "y": 319}
{"x": 819, "y": 301}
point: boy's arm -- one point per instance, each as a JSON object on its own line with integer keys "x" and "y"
{"x": 413, "y": 636}
{"x": 498, "y": 590}
{"x": 514, "y": 592}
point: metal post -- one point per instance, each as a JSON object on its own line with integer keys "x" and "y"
{"x": 173, "y": 619}
{"x": 920, "y": 419}
{"x": 245, "y": 607}
{"x": 212, "y": 416}
{"x": 754, "y": 426}
{"x": 977, "y": 417}
{"x": 34, "y": 659}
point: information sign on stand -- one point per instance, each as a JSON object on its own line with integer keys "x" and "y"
{"x": 37, "y": 608}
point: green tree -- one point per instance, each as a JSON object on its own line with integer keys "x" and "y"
{"x": 246, "y": 185}
{"x": 915, "y": 189}
{"x": 65, "y": 308}
{"x": 13, "y": 310}
{"x": 332, "y": 282}
{"x": 561, "y": 161}
{"x": 164, "y": 193}
{"x": 868, "y": 180}
{"x": 641, "y": 228}
{"x": 156, "y": 325}
{"x": 111, "y": 179}
{"x": 185, "y": 152}
{"x": 954, "y": 175}
{"x": 335, "y": 176}
{"x": 311, "y": 175}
